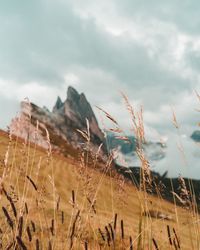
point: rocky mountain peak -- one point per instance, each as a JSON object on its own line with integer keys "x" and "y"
{"x": 64, "y": 120}
{"x": 58, "y": 105}
{"x": 72, "y": 94}
{"x": 77, "y": 109}
{"x": 78, "y": 104}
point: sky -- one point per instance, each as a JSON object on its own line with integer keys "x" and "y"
{"x": 150, "y": 50}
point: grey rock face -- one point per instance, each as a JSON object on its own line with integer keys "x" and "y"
{"x": 74, "y": 112}
{"x": 64, "y": 120}
{"x": 58, "y": 104}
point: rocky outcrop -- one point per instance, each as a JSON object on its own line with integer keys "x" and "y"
{"x": 58, "y": 104}
{"x": 75, "y": 110}
{"x": 157, "y": 215}
{"x": 64, "y": 123}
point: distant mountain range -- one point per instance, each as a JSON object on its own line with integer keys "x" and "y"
{"x": 154, "y": 151}
{"x": 196, "y": 136}
{"x": 125, "y": 147}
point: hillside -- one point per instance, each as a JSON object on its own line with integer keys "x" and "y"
{"x": 66, "y": 204}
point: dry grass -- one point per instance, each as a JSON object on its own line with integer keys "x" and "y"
{"x": 39, "y": 209}
{"x": 49, "y": 201}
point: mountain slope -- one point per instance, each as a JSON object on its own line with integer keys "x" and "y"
{"x": 40, "y": 185}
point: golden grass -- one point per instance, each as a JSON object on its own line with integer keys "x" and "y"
{"x": 40, "y": 186}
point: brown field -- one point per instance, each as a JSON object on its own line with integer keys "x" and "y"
{"x": 53, "y": 202}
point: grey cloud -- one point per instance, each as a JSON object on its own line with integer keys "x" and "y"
{"x": 43, "y": 40}
{"x": 183, "y": 14}
{"x": 39, "y": 41}
{"x": 8, "y": 109}
{"x": 192, "y": 58}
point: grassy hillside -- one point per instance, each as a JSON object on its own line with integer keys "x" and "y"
{"x": 52, "y": 202}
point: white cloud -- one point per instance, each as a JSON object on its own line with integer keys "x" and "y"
{"x": 42, "y": 95}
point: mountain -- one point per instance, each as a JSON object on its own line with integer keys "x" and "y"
{"x": 196, "y": 136}
{"x": 127, "y": 155}
{"x": 65, "y": 124}
{"x": 125, "y": 147}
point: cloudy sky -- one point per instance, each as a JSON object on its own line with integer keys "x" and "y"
{"x": 148, "y": 49}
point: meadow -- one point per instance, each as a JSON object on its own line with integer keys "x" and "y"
{"x": 51, "y": 201}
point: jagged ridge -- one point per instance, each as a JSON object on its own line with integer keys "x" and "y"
{"x": 63, "y": 122}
